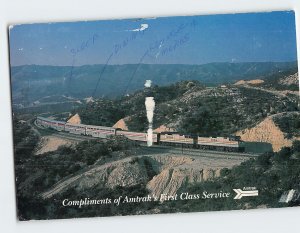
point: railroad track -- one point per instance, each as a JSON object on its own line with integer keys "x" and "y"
{"x": 197, "y": 153}
{"x": 74, "y": 136}
{"x": 64, "y": 135}
{"x": 164, "y": 149}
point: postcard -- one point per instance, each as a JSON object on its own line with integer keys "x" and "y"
{"x": 155, "y": 115}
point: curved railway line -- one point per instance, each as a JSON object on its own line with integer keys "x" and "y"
{"x": 63, "y": 135}
{"x": 214, "y": 159}
{"x": 229, "y": 143}
{"x": 158, "y": 149}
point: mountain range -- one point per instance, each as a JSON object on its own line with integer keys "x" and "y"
{"x": 32, "y": 82}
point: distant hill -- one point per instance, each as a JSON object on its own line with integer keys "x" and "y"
{"x": 283, "y": 81}
{"x": 32, "y": 82}
{"x": 287, "y": 80}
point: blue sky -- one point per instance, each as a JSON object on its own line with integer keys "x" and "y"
{"x": 255, "y": 37}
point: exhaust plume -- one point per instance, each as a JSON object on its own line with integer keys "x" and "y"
{"x": 150, "y": 106}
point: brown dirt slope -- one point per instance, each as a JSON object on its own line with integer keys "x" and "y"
{"x": 163, "y": 128}
{"x": 51, "y": 143}
{"x": 267, "y": 131}
{"x": 121, "y": 124}
{"x": 75, "y": 119}
{"x": 253, "y": 82}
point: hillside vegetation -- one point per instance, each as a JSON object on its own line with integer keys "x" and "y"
{"x": 190, "y": 107}
{"x": 271, "y": 173}
{"x": 287, "y": 80}
{"x": 35, "y": 174}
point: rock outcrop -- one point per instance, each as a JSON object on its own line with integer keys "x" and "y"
{"x": 51, "y": 143}
{"x": 125, "y": 173}
{"x": 75, "y": 119}
{"x": 266, "y": 131}
{"x": 121, "y": 124}
{"x": 170, "y": 180}
{"x": 164, "y": 128}
{"x": 290, "y": 80}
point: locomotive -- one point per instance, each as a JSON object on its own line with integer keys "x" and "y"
{"x": 231, "y": 143}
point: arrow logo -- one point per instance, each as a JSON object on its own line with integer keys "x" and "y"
{"x": 240, "y": 193}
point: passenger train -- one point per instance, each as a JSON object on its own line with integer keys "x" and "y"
{"x": 165, "y": 138}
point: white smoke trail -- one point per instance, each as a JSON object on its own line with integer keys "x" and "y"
{"x": 150, "y": 106}
{"x": 150, "y": 137}
{"x": 148, "y": 83}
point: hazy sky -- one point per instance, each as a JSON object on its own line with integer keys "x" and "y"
{"x": 179, "y": 40}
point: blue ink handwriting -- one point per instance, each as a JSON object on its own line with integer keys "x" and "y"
{"x": 84, "y": 45}
{"x": 157, "y": 45}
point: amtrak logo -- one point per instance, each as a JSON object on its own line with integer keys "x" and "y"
{"x": 245, "y": 193}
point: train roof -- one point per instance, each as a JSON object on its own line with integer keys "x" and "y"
{"x": 81, "y": 125}
{"x": 71, "y": 124}
{"x": 170, "y": 133}
{"x": 126, "y": 131}
{"x": 47, "y": 119}
{"x": 98, "y": 126}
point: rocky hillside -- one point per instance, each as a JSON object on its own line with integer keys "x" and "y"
{"x": 74, "y": 119}
{"x": 51, "y": 143}
{"x": 290, "y": 80}
{"x": 190, "y": 107}
{"x": 271, "y": 130}
{"x": 283, "y": 81}
{"x": 163, "y": 173}
{"x": 272, "y": 174}
{"x": 179, "y": 172}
